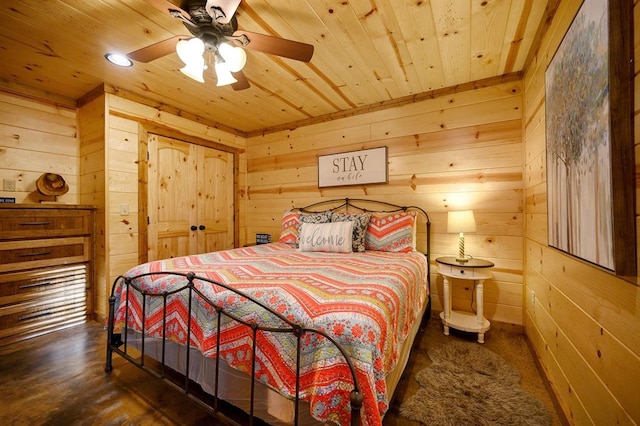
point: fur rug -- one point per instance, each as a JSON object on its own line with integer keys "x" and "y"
{"x": 467, "y": 384}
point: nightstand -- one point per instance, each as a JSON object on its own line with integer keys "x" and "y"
{"x": 475, "y": 270}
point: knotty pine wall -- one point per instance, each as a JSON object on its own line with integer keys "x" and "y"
{"x": 458, "y": 151}
{"x": 95, "y": 147}
{"x": 113, "y": 138}
{"x": 36, "y": 138}
{"x": 584, "y": 323}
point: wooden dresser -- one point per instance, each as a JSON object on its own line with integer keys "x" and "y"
{"x": 46, "y": 268}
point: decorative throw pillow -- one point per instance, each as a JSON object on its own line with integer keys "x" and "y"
{"x": 290, "y": 225}
{"x": 320, "y": 217}
{"x": 360, "y": 223}
{"x": 331, "y": 237}
{"x": 291, "y": 221}
{"x": 391, "y": 232}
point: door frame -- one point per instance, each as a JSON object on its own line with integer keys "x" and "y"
{"x": 143, "y": 179}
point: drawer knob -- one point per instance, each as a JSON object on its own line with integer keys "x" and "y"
{"x": 194, "y": 228}
{"x": 461, "y": 271}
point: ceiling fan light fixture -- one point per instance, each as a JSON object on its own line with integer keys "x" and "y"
{"x": 194, "y": 70}
{"x": 223, "y": 74}
{"x": 190, "y": 51}
{"x": 234, "y": 57}
{"x": 119, "y": 59}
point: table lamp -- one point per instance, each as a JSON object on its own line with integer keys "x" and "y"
{"x": 461, "y": 222}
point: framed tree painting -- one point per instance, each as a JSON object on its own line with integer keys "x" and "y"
{"x": 590, "y": 152}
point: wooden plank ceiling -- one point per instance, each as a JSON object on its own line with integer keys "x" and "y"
{"x": 368, "y": 53}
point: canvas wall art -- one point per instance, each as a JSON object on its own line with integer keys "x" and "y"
{"x": 583, "y": 147}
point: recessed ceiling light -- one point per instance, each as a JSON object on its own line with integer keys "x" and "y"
{"x": 118, "y": 59}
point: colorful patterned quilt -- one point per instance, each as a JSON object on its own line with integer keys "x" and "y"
{"x": 366, "y": 301}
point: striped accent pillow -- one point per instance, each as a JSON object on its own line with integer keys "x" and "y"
{"x": 332, "y": 237}
{"x": 393, "y": 232}
{"x": 290, "y": 225}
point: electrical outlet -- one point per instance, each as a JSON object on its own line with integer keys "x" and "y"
{"x": 9, "y": 185}
{"x": 124, "y": 209}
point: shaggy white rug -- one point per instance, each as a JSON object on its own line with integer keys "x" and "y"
{"x": 468, "y": 384}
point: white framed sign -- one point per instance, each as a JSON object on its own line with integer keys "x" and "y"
{"x": 353, "y": 168}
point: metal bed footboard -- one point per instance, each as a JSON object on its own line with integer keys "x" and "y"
{"x": 118, "y": 342}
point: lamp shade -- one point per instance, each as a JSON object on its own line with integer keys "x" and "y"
{"x": 461, "y": 221}
{"x": 223, "y": 74}
{"x": 234, "y": 57}
{"x": 190, "y": 51}
{"x": 194, "y": 70}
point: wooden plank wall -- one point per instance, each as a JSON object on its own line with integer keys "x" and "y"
{"x": 92, "y": 187}
{"x": 125, "y": 125}
{"x": 123, "y": 140}
{"x": 36, "y": 138}
{"x": 458, "y": 151}
{"x": 584, "y": 323}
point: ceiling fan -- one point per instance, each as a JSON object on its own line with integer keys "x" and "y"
{"x": 216, "y": 39}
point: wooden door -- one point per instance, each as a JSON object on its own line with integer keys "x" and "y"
{"x": 215, "y": 191}
{"x": 190, "y": 198}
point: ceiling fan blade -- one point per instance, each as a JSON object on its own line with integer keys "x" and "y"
{"x": 228, "y": 8}
{"x": 166, "y": 6}
{"x": 276, "y": 46}
{"x": 242, "y": 82}
{"x": 156, "y": 50}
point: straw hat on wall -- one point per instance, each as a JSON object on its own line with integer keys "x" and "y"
{"x": 52, "y": 184}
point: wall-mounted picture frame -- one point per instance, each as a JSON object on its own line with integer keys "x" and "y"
{"x": 366, "y": 166}
{"x": 589, "y": 139}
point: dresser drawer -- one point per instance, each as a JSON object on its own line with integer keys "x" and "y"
{"x": 20, "y": 286}
{"x": 41, "y": 315}
{"x": 17, "y": 255}
{"x": 464, "y": 272}
{"x": 38, "y": 301}
{"x": 26, "y": 223}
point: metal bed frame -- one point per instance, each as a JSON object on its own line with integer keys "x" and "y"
{"x": 118, "y": 342}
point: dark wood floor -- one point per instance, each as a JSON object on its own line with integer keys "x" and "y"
{"x": 59, "y": 379}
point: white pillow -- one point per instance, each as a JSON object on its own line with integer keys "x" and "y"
{"x": 332, "y": 237}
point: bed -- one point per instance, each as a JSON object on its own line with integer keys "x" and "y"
{"x": 314, "y": 328}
